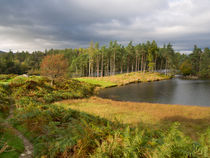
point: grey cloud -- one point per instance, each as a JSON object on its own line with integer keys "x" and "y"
{"x": 41, "y": 24}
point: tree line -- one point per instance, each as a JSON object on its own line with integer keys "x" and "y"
{"x": 112, "y": 59}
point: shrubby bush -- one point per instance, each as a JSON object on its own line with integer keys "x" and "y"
{"x": 4, "y": 98}
{"x": 5, "y": 78}
{"x": 150, "y": 143}
{"x": 39, "y": 89}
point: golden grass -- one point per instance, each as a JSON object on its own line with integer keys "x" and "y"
{"x": 123, "y": 79}
{"x": 193, "y": 119}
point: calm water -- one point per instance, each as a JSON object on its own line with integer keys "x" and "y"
{"x": 175, "y": 91}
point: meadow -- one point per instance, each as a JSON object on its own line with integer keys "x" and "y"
{"x": 64, "y": 120}
{"x": 193, "y": 119}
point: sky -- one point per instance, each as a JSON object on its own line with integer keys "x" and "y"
{"x": 43, "y": 24}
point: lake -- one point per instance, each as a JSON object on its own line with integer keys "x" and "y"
{"x": 174, "y": 91}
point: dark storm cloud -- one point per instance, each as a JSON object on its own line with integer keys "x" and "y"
{"x": 40, "y": 24}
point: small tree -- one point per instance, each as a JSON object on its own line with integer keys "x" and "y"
{"x": 186, "y": 68}
{"x": 54, "y": 66}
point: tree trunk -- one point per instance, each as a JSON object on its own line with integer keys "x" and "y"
{"x": 145, "y": 65}
{"x": 166, "y": 67}
{"x": 114, "y": 63}
{"x": 97, "y": 65}
{"x": 110, "y": 66}
{"x": 107, "y": 67}
{"x": 127, "y": 65}
{"x": 136, "y": 63}
{"x": 161, "y": 64}
{"x": 52, "y": 81}
{"x": 89, "y": 68}
{"x": 155, "y": 62}
{"x": 102, "y": 65}
{"x": 106, "y": 70}
{"x": 142, "y": 62}
{"x": 199, "y": 63}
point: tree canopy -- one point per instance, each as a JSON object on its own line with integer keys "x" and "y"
{"x": 115, "y": 58}
{"x": 54, "y": 66}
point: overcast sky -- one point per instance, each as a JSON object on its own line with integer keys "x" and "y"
{"x": 44, "y": 24}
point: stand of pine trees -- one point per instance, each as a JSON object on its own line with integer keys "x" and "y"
{"x": 113, "y": 59}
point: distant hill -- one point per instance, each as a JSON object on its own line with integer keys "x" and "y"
{"x": 2, "y": 51}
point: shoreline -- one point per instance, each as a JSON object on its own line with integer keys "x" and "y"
{"x": 124, "y": 79}
{"x": 97, "y": 89}
{"x": 117, "y": 99}
{"x": 193, "y": 78}
{"x": 207, "y": 106}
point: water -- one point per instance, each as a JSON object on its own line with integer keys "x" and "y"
{"x": 175, "y": 91}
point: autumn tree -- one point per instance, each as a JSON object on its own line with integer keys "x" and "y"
{"x": 54, "y": 66}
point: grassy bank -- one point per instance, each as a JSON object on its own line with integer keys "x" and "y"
{"x": 193, "y": 119}
{"x": 123, "y": 79}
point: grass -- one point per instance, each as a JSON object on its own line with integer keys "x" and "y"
{"x": 14, "y": 144}
{"x": 123, "y": 79}
{"x": 193, "y": 119}
{"x": 10, "y": 145}
{"x": 95, "y": 81}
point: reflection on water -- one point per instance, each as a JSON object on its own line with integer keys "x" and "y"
{"x": 175, "y": 91}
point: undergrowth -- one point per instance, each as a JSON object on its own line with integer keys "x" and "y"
{"x": 10, "y": 145}
{"x": 4, "y": 99}
{"x": 6, "y": 78}
{"x": 57, "y": 131}
{"x": 34, "y": 90}
{"x": 60, "y": 132}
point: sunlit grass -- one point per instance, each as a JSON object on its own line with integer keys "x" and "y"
{"x": 98, "y": 82}
{"x": 193, "y": 119}
{"x": 123, "y": 79}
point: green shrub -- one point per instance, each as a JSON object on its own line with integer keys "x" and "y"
{"x": 6, "y": 78}
{"x": 4, "y": 98}
{"x": 148, "y": 143}
{"x": 186, "y": 68}
{"x": 40, "y": 89}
